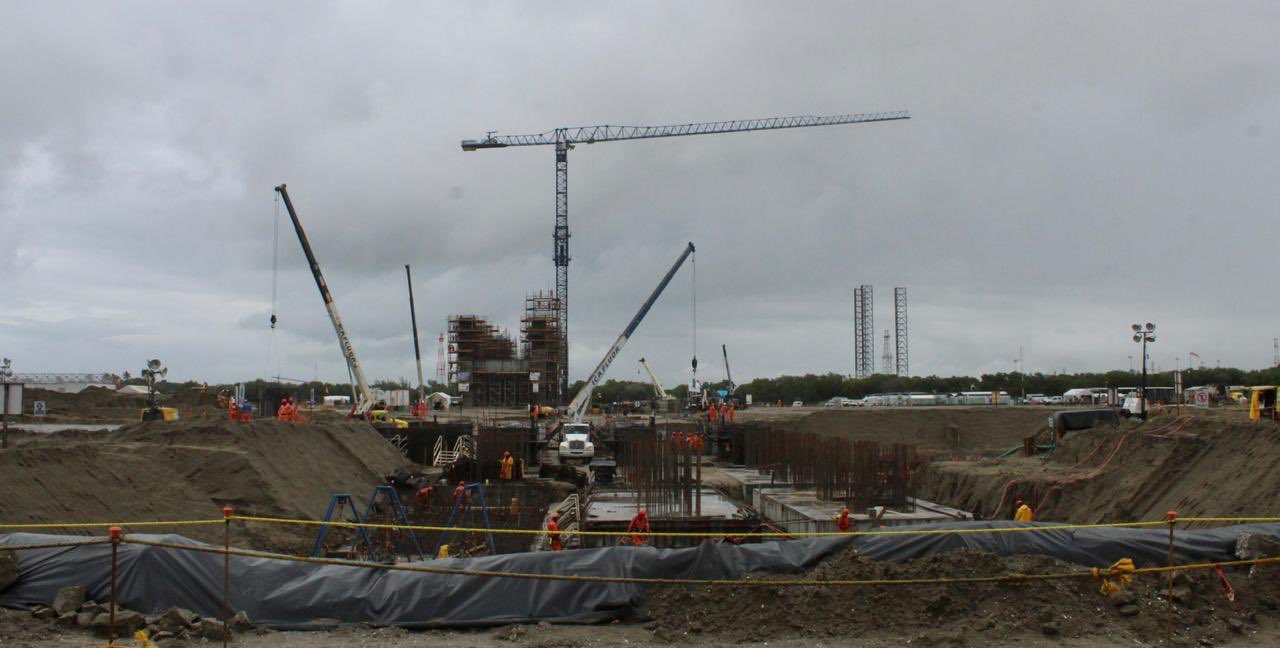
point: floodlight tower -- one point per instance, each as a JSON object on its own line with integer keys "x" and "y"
{"x": 1143, "y": 335}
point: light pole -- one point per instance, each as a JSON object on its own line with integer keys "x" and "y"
{"x": 1143, "y": 335}
{"x": 6, "y": 372}
{"x": 1130, "y": 363}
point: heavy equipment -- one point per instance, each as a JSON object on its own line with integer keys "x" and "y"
{"x": 417, "y": 350}
{"x": 574, "y": 434}
{"x": 363, "y": 405}
{"x": 564, "y": 139}
{"x": 658, "y": 392}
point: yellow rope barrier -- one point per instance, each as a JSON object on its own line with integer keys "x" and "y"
{"x": 1117, "y": 570}
{"x": 658, "y": 534}
{"x": 702, "y": 534}
{"x": 72, "y": 525}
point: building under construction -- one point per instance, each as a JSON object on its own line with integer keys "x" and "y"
{"x": 484, "y": 364}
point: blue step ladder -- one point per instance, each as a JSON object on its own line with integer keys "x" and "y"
{"x": 477, "y": 495}
{"x": 401, "y": 517}
{"x": 336, "y": 502}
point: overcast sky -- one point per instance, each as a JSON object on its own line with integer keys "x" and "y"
{"x": 1069, "y": 169}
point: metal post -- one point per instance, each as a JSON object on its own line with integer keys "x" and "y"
{"x": 1142, "y": 395}
{"x": 226, "y": 575}
{"x": 115, "y": 547}
{"x": 5, "y": 372}
{"x": 1171, "y": 517}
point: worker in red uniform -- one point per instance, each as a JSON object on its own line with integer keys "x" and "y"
{"x": 695, "y": 443}
{"x": 460, "y": 496}
{"x": 423, "y": 497}
{"x": 724, "y": 412}
{"x": 843, "y": 522}
{"x": 639, "y": 528}
{"x": 506, "y": 467}
{"x": 553, "y": 532}
{"x": 711, "y": 414}
{"x": 233, "y": 408}
{"x": 732, "y": 410}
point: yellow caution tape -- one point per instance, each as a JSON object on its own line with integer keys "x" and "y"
{"x": 700, "y": 534}
{"x": 1115, "y": 571}
{"x": 661, "y": 534}
{"x": 68, "y": 525}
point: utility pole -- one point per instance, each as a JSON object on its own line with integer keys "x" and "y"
{"x": 564, "y": 140}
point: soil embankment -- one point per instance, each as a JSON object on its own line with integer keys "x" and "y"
{"x": 964, "y": 431}
{"x": 1202, "y": 466}
{"x": 188, "y": 470}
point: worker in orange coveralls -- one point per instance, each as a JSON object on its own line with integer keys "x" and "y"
{"x": 711, "y": 414}
{"x": 506, "y": 466}
{"x": 639, "y": 527}
{"x": 724, "y": 412}
{"x": 553, "y": 532}
{"x": 233, "y": 408}
{"x": 843, "y": 522}
{"x": 460, "y": 496}
{"x": 695, "y": 443}
{"x": 424, "y": 498}
{"x": 732, "y": 410}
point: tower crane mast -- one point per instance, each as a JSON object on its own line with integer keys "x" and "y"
{"x": 564, "y": 139}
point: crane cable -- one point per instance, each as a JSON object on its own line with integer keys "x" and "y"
{"x": 273, "y": 345}
{"x": 693, "y": 262}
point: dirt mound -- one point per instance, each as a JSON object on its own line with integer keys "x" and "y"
{"x": 189, "y": 469}
{"x": 947, "y": 431}
{"x": 1208, "y": 466}
{"x": 959, "y": 614}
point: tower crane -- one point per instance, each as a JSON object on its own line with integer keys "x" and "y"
{"x": 564, "y": 139}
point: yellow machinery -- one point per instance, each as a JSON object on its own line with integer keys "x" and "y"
{"x": 385, "y": 417}
{"x": 159, "y": 414}
{"x": 1262, "y": 403}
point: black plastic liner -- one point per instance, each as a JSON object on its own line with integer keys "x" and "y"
{"x": 287, "y": 594}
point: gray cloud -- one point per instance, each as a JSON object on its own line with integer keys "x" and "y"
{"x": 1069, "y": 170}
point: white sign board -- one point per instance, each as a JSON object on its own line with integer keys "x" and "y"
{"x": 38, "y": 408}
{"x": 535, "y": 388}
{"x": 14, "y": 402}
{"x": 464, "y": 387}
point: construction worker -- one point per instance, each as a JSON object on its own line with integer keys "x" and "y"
{"x": 695, "y": 443}
{"x": 639, "y": 528}
{"x": 553, "y": 531}
{"x": 423, "y": 496}
{"x": 732, "y": 410}
{"x": 843, "y": 521}
{"x": 1023, "y": 512}
{"x": 506, "y": 466}
{"x": 724, "y": 412}
{"x": 233, "y": 409}
{"x": 711, "y": 413}
{"x": 283, "y": 414}
{"x": 460, "y": 496}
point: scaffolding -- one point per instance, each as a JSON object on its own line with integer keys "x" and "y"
{"x": 478, "y": 351}
{"x": 541, "y": 340}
